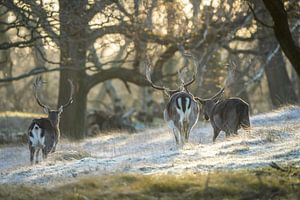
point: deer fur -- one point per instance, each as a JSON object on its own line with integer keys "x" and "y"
{"x": 181, "y": 112}
{"x": 227, "y": 115}
{"x": 41, "y": 138}
{"x": 44, "y": 133}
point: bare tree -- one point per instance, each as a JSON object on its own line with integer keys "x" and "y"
{"x": 282, "y": 31}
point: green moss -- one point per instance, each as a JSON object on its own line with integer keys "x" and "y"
{"x": 266, "y": 183}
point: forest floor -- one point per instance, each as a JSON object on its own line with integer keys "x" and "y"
{"x": 275, "y": 137}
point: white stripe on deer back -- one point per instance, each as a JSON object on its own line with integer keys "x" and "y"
{"x": 188, "y": 107}
{"x": 36, "y": 137}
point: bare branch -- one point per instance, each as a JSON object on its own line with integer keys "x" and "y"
{"x": 257, "y": 19}
{"x": 36, "y": 71}
{"x": 19, "y": 44}
{"x": 124, "y": 74}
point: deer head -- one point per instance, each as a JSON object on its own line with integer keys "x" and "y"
{"x": 208, "y": 104}
{"x": 167, "y": 91}
{"x": 53, "y": 114}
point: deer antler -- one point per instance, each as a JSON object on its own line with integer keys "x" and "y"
{"x": 167, "y": 91}
{"x": 181, "y": 77}
{"x": 190, "y": 82}
{"x": 38, "y": 83}
{"x": 212, "y": 98}
{"x": 70, "y": 101}
{"x": 148, "y": 76}
{"x": 218, "y": 94}
{"x": 187, "y": 55}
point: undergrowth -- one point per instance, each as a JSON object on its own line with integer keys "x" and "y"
{"x": 267, "y": 183}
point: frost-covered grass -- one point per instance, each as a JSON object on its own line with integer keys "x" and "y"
{"x": 243, "y": 184}
{"x": 274, "y": 137}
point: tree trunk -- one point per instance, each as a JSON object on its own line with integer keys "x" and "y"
{"x": 280, "y": 87}
{"x": 73, "y": 55}
{"x": 281, "y": 90}
{"x": 73, "y": 118}
{"x": 282, "y": 32}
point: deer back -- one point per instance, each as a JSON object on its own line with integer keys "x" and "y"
{"x": 182, "y": 106}
{"x": 234, "y": 109}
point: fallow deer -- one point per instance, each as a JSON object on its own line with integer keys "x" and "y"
{"x": 226, "y": 115}
{"x": 44, "y": 133}
{"x": 181, "y": 112}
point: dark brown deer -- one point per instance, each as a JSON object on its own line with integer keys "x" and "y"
{"x": 44, "y": 133}
{"x": 226, "y": 115}
{"x": 181, "y": 112}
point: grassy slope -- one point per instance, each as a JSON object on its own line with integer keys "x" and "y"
{"x": 256, "y": 184}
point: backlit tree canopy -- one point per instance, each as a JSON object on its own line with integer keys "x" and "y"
{"x": 92, "y": 42}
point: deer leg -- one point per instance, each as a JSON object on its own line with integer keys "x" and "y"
{"x": 182, "y": 140}
{"x": 44, "y": 153}
{"x": 175, "y": 130}
{"x": 216, "y": 133}
{"x": 176, "y": 136}
{"x": 32, "y": 150}
{"x": 186, "y": 138}
{"x": 55, "y": 143}
{"x": 54, "y": 147}
{"x": 235, "y": 132}
{"x": 227, "y": 133}
{"x": 186, "y": 131}
{"x": 37, "y": 156}
{"x": 235, "y": 128}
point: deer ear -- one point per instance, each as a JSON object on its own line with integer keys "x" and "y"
{"x": 61, "y": 108}
{"x": 46, "y": 110}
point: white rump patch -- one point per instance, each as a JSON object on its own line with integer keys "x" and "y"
{"x": 36, "y": 139}
{"x": 183, "y": 115}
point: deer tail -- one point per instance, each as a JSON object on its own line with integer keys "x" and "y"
{"x": 244, "y": 118}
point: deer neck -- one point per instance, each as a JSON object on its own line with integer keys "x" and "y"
{"x": 210, "y": 108}
{"x": 54, "y": 124}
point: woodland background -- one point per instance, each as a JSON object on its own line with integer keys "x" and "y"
{"x": 251, "y": 46}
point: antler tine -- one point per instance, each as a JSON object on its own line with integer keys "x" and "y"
{"x": 190, "y": 82}
{"x": 212, "y": 98}
{"x": 70, "y": 101}
{"x": 218, "y": 94}
{"x": 148, "y": 76}
{"x": 200, "y": 99}
{"x": 188, "y": 54}
{"x": 37, "y": 83}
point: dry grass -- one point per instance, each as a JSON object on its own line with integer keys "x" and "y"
{"x": 70, "y": 155}
{"x": 259, "y": 184}
{"x": 21, "y": 114}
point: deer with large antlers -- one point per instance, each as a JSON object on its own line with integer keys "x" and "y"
{"x": 226, "y": 115}
{"x": 181, "y": 112}
{"x": 44, "y": 133}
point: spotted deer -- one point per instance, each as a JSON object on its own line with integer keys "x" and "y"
{"x": 227, "y": 115}
{"x": 181, "y": 112}
{"x": 44, "y": 133}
